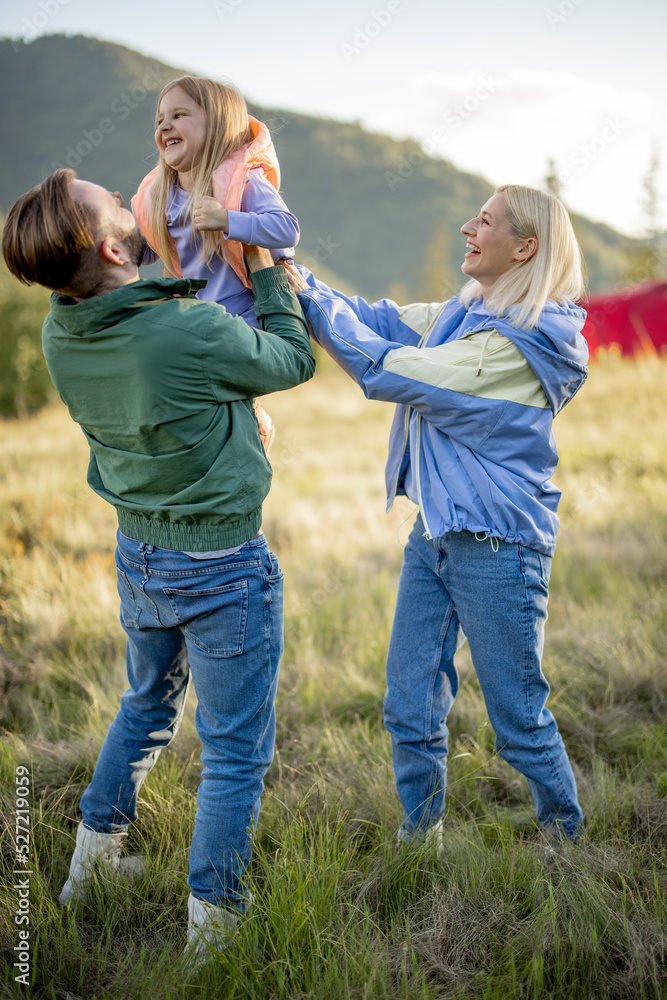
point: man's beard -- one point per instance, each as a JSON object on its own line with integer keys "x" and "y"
{"x": 134, "y": 242}
{"x": 136, "y": 246}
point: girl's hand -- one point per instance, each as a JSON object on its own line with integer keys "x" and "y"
{"x": 210, "y": 216}
{"x": 296, "y": 282}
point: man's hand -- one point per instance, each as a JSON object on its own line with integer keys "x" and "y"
{"x": 257, "y": 258}
{"x": 210, "y": 216}
{"x": 296, "y": 282}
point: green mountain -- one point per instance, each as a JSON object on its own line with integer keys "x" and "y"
{"x": 376, "y": 215}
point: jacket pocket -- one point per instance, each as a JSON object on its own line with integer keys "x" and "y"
{"x": 214, "y": 619}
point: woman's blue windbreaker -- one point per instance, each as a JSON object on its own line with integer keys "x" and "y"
{"x": 472, "y": 441}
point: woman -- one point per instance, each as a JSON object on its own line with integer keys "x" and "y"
{"x": 478, "y": 380}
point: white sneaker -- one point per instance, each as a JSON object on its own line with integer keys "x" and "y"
{"x": 435, "y": 837}
{"x": 92, "y": 847}
{"x": 432, "y": 837}
{"x": 210, "y": 929}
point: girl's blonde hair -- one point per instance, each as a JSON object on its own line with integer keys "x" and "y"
{"x": 227, "y": 130}
{"x": 553, "y": 272}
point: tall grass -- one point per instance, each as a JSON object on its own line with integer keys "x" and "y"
{"x": 338, "y": 912}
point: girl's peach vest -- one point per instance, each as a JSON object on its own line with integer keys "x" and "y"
{"x": 228, "y": 183}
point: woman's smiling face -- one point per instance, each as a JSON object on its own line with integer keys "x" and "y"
{"x": 492, "y": 250}
{"x": 180, "y": 134}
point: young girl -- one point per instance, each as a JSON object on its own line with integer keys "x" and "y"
{"x": 215, "y": 187}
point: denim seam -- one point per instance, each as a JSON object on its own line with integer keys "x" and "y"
{"x": 428, "y": 734}
{"x": 219, "y": 567}
{"x": 527, "y": 644}
{"x": 143, "y": 565}
{"x": 437, "y": 660}
{"x": 554, "y": 767}
{"x": 130, "y": 622}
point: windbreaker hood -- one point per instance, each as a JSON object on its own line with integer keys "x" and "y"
{"x": 555, "y": 348}
{"x": 101, "y": 311}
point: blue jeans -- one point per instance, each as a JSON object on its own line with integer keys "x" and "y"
{"x": 497, "y": 593}
{"x": 221, "y": 621}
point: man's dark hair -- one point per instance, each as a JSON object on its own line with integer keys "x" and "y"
{"x": 51, "y": 239}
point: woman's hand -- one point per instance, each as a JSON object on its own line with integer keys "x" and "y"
{"x": 210, "y": 216}
{"x": 296, "y": 282}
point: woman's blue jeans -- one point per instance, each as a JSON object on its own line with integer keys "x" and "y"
{"x": 497, "y": 592}
{"x": 221, "y": 621}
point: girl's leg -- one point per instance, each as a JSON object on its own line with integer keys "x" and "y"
{"x": 501, "y": 591}
{"x": 421, "y": 684}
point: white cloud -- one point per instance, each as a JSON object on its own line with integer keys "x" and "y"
{"x": 506, "y": 127}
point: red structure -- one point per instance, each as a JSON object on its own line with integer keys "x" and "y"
{"x": 634, "y": 319}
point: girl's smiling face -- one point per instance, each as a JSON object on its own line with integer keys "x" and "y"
{"x": 180, "y": 134}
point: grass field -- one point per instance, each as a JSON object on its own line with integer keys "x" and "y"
{"x": 337, "y": 912}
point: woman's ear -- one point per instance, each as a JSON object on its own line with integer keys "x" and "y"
{"x": 526, "y": 250}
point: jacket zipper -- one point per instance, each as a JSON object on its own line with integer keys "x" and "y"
{"x": 406, "y": 431}
{"x": 418, "y": 446}
{"x": 417, "y": 477}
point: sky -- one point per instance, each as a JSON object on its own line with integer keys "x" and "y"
{"x": 498, "y": 87}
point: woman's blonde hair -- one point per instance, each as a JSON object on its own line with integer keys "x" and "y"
{"x": 553, "y": 272}
{"x": 227, "y": 130}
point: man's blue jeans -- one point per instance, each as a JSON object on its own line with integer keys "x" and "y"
{"x": 221, "y": 621}
{"x": 497, "y": 592}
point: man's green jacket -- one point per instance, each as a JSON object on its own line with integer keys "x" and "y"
{"x": 162, "y": 385}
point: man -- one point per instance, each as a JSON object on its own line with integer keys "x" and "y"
{"x": 162, "y": 386}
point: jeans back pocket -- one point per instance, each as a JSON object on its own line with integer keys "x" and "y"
{"x": 215, "y": 618}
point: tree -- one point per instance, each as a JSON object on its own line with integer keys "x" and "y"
{"x": 552, "y": 181}
{"x": 437, "y": 281}
{"x": 25, "y": 385}
{"x": 647, "y": 257}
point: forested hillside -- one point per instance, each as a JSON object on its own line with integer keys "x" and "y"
{"x": 377, "y": 215}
